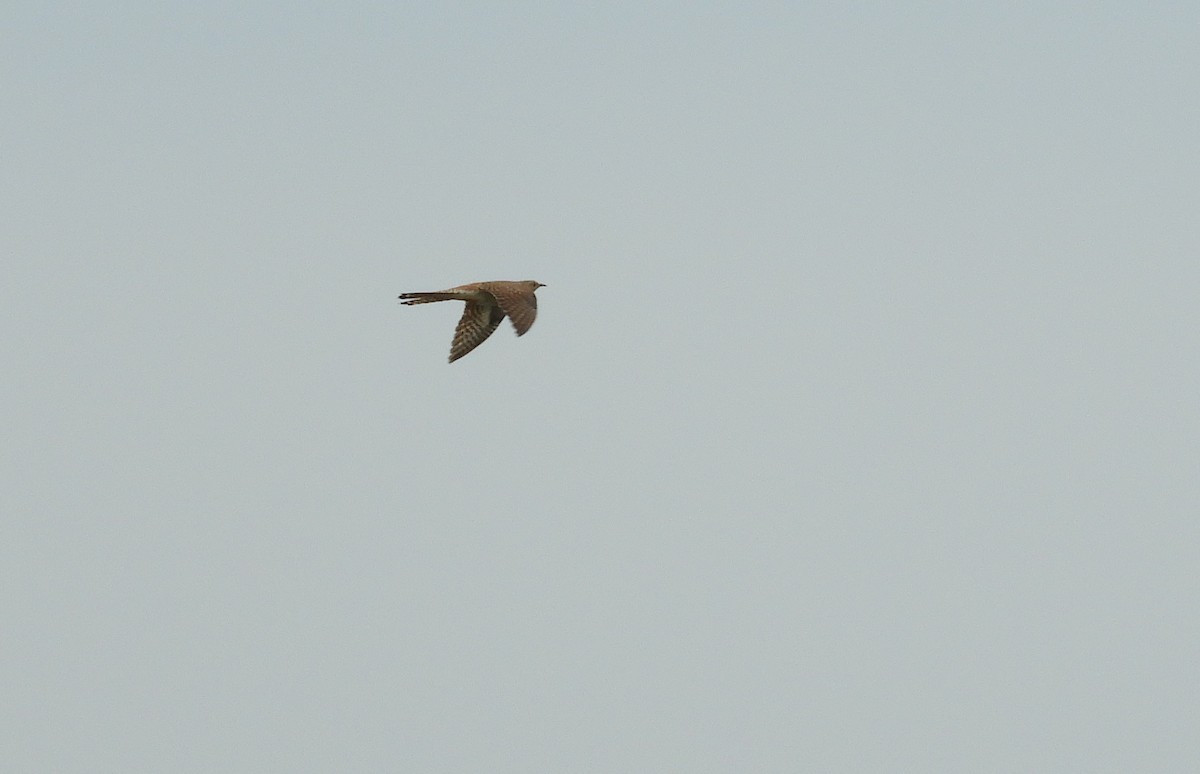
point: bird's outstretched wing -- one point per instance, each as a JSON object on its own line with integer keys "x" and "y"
{"x": 477, "y": 323}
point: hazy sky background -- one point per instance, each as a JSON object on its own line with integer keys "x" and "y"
{"x": 858, "y": 431}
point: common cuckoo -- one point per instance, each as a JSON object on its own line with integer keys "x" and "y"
{"x": 488, "y": 303}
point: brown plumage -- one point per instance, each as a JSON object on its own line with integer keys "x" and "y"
{"x": 488, "y": 303}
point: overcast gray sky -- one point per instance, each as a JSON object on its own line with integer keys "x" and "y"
{"x": 858, "y": 431}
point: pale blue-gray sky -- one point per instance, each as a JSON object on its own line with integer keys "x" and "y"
{"x": 858, "y": 431}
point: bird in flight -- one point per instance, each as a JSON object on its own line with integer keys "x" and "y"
{"x": 488, "y": 303}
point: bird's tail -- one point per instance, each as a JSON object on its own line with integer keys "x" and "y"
{"x": 427, "y": 298}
